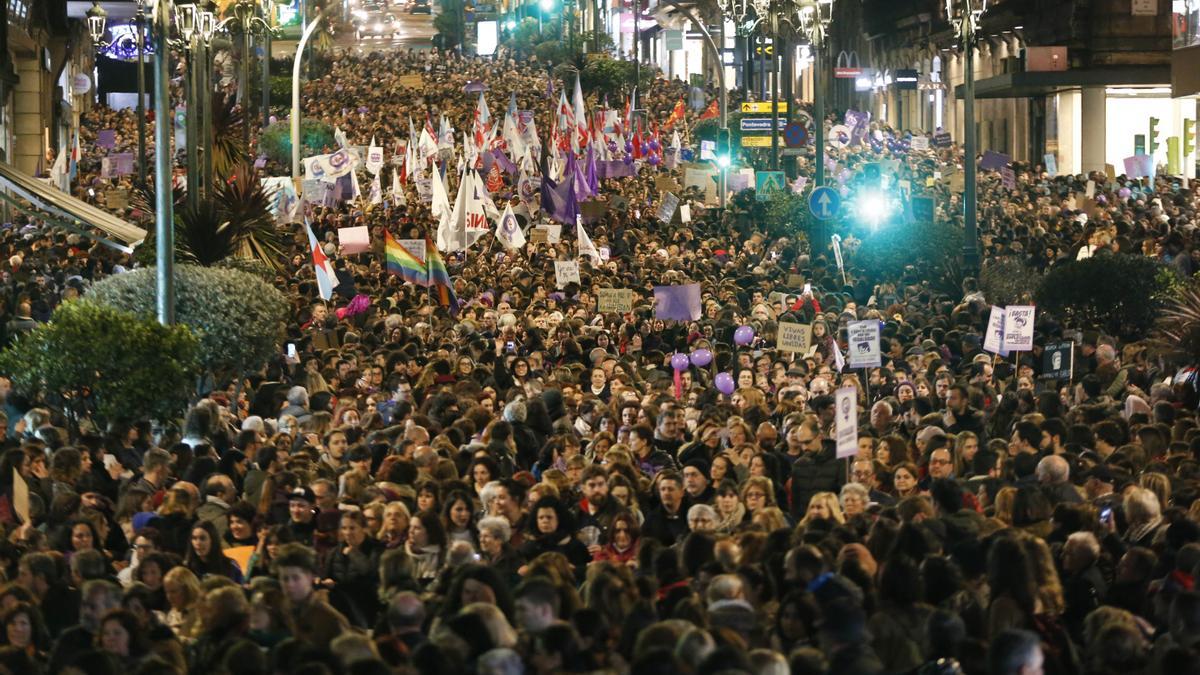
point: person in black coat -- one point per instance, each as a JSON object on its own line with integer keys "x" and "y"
{"x": 816, "y": 471}
{"x": 353, "y": 569}
{"x": 550, "y": 531}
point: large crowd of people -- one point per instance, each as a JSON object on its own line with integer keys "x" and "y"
{"x": 528, "y": 485}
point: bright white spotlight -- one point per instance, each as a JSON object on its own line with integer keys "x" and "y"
{"x": 873, "y": 208}
{"x": 547, "y": 5}
{"x": 510, "y": 24}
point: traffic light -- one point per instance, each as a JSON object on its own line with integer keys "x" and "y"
{"x": 724, "y": 156}
{"x": 1189, "y": 137}
{"x": 1152, "y": 139}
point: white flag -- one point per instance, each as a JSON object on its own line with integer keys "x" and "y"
{"x": 440, "y": 204}
{"x": 509, "y": 231}
{"x": 340, "y": 138}
{"x": 586, "y": 248}
{"x": 374, "y": 157}
{"x": 376, "y": 191}
{"x": 397, "y": 189}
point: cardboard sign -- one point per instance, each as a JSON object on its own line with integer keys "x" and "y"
{"x": 412, "y": 81}
{"x": 1018, "y": 328}
{"x": 1051, "y": 162}
{"x": 1111, "y": 172}
{"x": 553, "y": 234}
{"x": 666, "y": 208}
{"x": 957, "y": 182}
{"x": 618, "y": 300}
{"x": 593, "y": 209}
{"x": 795, "y": 281}
{"x": 354, "y": 239}
{"x": 863, "y": 339}
{"x": 20, "y": 497}
{"x": 1058, "y": 360}
{"x": 793, "y": 337}
{"x": 846, "y": 422}
{"x": 1008, "y": 178}
{"x": 539, "y": 235}
{"x": 1091, "y": 189}
{"x": 116, "y": 198}
{"x": 666, "y": 184}
{"x": 685, "y": 213}
{"x": 920, "y": 143}
{"x": 565, "y": 271}
{"x": 414, "y": 246}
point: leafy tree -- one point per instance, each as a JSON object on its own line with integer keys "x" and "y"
{"x": 96, "y": 360}
{"x": 315, "y": 136}
{"x": 449, "y": 24}
{"x": 1120, "y": 294}
{"x": 237, "y": 316}
{"x": 1008, "y": 281}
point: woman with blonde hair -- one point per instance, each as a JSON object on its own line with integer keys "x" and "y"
{"x": 394, "y": 529}
{"x": 823, "y": 506}
{"x": 770, "y": 518}
{"x": 183, "y": 593}
{"x": 1159, "y": 484}
{"x": 1005, "y": 499}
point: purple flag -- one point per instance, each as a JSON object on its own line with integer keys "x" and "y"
{"x": 858, "y": 123}
{"x": 581, "y": 182}
{"x": 593, "y": 181}
{"x": 681, "y": 303}
{"x": 504, "y": 162}
{"x": 994, "y": 161}
{"x": 559, "y": 201}
{"x": 106, "y": 138}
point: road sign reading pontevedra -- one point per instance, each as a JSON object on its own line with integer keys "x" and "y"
{"x": 759, "y": 124}
{"x": 763, "y": 107}
{"x": 824, "y": 202}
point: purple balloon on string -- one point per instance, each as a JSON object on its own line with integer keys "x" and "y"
{"x": 628, "y": 159}
{"x": 680, "y": 362}
{"x": 743, "y": 336}
{"x": 724, "y": 383}
{"x": 701, "y": 357}
{"x": 654, "y": 145}
{"x": 628, "y": 146}
{"x": 1124, "y": 193}
{"x": 612, "y": 146}
{"x": 654, "y": 160}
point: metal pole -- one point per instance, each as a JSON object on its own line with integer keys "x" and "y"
{"x": 164, "y": 217}
{"x": 206, "y": 100}
{"x": 245, "y": 87}
{"x": 596, "y": 26}
{"x": 141, "y": 102}
{"x": 819, "y": 106}
{"x": 637, "y": 58}
{"x": 970, "y": 227}
{"x": 266, "y": 77}
{"x": 308, "y": 31}
{"x": 192, "y": 125}
{"x": 724, "y": 94}
{"x": 774, "y": 91}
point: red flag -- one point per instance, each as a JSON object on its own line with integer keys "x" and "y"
{"x": 676, "y": 115}
{"x": 710, "y": 112}
{"x": 495, "y": 180}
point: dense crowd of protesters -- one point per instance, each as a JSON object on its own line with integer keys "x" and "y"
{"x": 523, "y": 487}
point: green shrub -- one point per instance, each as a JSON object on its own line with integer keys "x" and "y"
{"x": 93, "y": 359}
{"x": 1118, "y": 294}
{"x": 315, "y": 136}
{"x": 238, "y": 317}
{"x": 1008, "y": 281}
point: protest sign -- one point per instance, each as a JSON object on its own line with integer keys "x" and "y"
{"x": 614, "y": 300}
{"x": 993, "y": 340}
{"x": 846, "y": 422}
{"x": 863, "y": 341}
{"x": 679, "y": 303}
{"x": 354, "y": 239}
{"x": 565, "y": 271}
{"x": 414, "y": 246}
{"x": 666, "y": 208}
{"x": 116, "y": 198}
{"x": 411, "y": 81}
{"x": 20, "y": 496}
{"x": 553, "y": 234}
{"x": 795, "y": 281}
{"x": 1018, "y": 328}
{"x": 539, "y": 235}
{"x": 793, "y": 337}
{"x": 1058, "y": 360}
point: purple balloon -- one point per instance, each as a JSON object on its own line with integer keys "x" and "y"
{"x": 654, "y": 145}
{"x": 612, "y": 146}
{"x": 628, "y": 146}
{"x": 743, "y": 336}
{"x": 628, "y": 159}
{"x": 274, "y": 119}
{"x": 725, "y": 383}
{"x": 679, "y": 361}
{"x": 1124, "y": 193}
{"x": 654, "y": 160}
{"x": 701, "y": 357}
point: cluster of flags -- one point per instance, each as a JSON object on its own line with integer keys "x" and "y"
{"x": 431, "y": 273}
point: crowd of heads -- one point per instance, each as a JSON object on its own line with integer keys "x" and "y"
{"x": 528, "y": 485}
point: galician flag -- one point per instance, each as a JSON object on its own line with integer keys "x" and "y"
{"x": 321, "y": 265}
{"x": 586, "y": 248}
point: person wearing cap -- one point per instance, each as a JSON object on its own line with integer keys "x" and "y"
{"x": 302, "y": 522}
{"x": 695, "y": 482}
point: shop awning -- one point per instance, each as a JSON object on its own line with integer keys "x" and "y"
{"x": 1040, "y": 83}
{"x": 66, "y": 211}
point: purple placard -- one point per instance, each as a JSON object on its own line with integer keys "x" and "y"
{"x": 994, "y": 161}
{"x": 106, "y": 138}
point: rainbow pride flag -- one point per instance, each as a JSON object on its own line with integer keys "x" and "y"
{"x": 403, "y": 263}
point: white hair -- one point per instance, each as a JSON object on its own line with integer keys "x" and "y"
{"x": 500, "y": 661}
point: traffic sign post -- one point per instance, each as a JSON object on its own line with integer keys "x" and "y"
{"x": 759, "y": 124}
{"x": 767, "y": 182}
{"x": 763, "y": 107}
{"x": 795, "y": 135}
{"x": 824, "y": 203}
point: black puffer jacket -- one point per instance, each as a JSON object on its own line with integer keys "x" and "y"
{"x": 816, "y": 472}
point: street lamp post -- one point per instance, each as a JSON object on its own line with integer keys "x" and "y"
{"x": 97, "y": 20}
{"x": 814, "y": 17}
{"x": 247, "y": 24}
{"x": 964, "y": 15}
{"x": 164, "y": 197}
